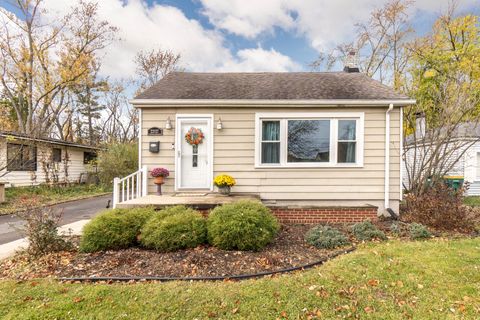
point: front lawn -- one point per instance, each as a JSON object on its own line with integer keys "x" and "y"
{"x": 436, "y": 279}
{"x": 472, "y": 201}
{"x": 47, "y": 195}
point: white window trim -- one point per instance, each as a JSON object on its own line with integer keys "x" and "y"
{"x": 334, "y": 116}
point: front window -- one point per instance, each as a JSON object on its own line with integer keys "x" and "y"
{"x": 21, "y": 157}
{"x": 310, "y": 140}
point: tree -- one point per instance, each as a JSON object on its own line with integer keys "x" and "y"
{"x": 155, "y": 64}
{"x": 445, "y": 73}
{"x": 41, "y": 58}
{"x": 87, "y": 94}
{"x": 379, "y": 44}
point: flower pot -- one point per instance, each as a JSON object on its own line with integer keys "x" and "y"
{"x": 224, "y": 190}
{"x": 158, "y": 180}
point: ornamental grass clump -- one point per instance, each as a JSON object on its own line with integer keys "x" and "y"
{"x": 173, "y": 229}
{"x": 243, "y": 225}
{"x": 365, "y": 231}
{"x": 326, "y": 237}
{"x": 114, "y": 229}
{"x": 419, "y": 232}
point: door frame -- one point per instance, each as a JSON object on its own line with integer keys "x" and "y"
{"x": 178, "y": 144}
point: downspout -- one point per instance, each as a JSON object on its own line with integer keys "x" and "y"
{"x": 387, "y": 157}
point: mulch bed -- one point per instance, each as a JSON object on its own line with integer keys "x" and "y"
{"x": 288, "y": 250}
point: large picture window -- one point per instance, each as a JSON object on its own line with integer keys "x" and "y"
{"x": 309, "y": 140}
{"x": 21, "y": 157}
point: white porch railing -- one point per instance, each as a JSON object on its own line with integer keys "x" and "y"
{"x": 130, "y": 187}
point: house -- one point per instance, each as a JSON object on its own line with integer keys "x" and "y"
{"x": 457, "y": 147}
{"x": 312, "y": 146}
{"x": 27, "y": 160}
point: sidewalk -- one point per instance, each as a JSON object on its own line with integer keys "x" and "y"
{"x": 8, "y": 249}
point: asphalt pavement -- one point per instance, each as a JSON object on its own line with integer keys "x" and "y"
{"x": 72, "y": 211}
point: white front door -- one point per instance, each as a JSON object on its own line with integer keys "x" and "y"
{"x": 194, "y": 162}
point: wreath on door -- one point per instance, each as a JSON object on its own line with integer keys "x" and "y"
{"x": 194, "y": 136}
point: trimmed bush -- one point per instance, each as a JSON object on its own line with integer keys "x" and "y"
{"x": 243, "y": 225}
{"x": 174, "y": 228}
{"x": 419, "y": 231}
{"x": 366, "y": 231}
{"x": 326, "y": 237}
{"x": 114, "y": 229}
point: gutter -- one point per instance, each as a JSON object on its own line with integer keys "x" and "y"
{"x": 387, "y": 156}
{"x": 269, "y": 102}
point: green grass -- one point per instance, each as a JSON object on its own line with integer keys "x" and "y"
{"x": 48, "y": 195}
{"x": 437, "y": 279}
{"x": 473, "y": 201}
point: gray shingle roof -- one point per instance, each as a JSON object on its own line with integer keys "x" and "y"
{"x": 270, "y": 86}
{"x": 22, "y": 136}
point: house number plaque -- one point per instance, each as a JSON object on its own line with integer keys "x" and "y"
{"x": 155, "y": 131}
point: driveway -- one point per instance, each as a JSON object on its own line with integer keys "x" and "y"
{"x": 72, "y": 212}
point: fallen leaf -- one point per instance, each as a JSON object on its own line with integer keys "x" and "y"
{"x": 373, "y": 282}
{"x": 368, "y": 309}
{"x": 77, "y": 299}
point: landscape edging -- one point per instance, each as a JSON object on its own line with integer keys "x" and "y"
{"x": 212, "y": 278}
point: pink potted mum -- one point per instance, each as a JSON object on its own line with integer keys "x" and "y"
{"x": 159, "y": 174}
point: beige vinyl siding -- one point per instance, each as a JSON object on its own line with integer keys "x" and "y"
{"x": 75, "y": 165}
{"x": 234, "y": 154}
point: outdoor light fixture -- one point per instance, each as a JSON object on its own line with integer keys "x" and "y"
{"x": 219, "y": 124}
{"x": 168, "y": 124}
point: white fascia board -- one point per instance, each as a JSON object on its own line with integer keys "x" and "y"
{"x": 274, "y": 103}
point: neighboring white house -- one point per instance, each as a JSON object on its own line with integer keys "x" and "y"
{"x": 26, "y": 160}
{"x": 464, "y": 158}
{"x": 325, "y": 143}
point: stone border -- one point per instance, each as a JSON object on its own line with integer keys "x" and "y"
{"x": 212, "y": 278}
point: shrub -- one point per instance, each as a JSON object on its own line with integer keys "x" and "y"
{"x": 438, "y": 207}
{"x": 419, "y": 231}
{"x": 244, "y": 225}
{"x": 173, "y": 229}
{"x": 325, "y": 237}
{"x": 117, "y": 160}
{"x": 41, "y": 228}
{"x": 396, "y": 229}
{"x": 114, "y": 229}
{"x": 367, "y": 231}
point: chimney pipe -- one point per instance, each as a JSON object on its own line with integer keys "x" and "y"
{"x": 351, "y": 62}
{"x": 420, "y": 125}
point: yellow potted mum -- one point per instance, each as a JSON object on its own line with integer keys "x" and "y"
{"x": 224, "y": 183}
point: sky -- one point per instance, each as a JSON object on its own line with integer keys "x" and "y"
{"x": 240, "y": 35}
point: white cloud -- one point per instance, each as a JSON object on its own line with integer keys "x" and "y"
{"x": 143, "y": 27}
{"x": 323, "y": 22}
{"x": 248, "y": 18}
{"x": 260, "y": 60}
